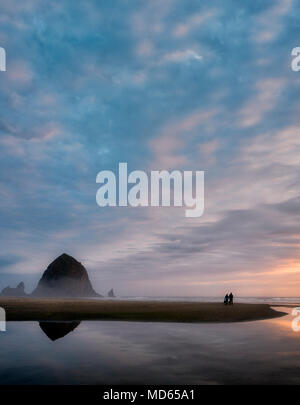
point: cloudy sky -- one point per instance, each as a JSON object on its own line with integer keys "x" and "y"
{"x": 160, "y": 84}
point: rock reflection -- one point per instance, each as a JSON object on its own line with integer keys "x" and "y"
{"x": 57, "y": 330}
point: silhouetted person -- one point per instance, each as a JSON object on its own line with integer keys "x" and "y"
{"x": 226, "y": 298}
{"x": 231, "y": 299}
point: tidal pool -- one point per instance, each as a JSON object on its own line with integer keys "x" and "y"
{"x": 103, "y": 352}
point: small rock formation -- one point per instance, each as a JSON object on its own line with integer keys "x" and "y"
{"x": 65, "y": 277}
{"x": 111, "y": 293}
{"x": 19, "y": 291}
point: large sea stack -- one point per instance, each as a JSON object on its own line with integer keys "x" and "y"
{"x": 65, "y": 277}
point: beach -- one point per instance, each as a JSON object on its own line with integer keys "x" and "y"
{"x": 36, "y": 309}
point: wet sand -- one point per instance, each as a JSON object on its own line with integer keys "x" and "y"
{"x": 30, "y": 309}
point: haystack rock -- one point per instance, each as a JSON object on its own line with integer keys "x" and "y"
{"x": 19, "y": 291}
{"x": 65, "y": 277}
{"x": 111, "y": 293}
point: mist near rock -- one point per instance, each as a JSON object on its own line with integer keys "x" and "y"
{"x": 19, "y": 291}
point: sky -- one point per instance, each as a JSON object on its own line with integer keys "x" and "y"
{"x": 161, "y": 85}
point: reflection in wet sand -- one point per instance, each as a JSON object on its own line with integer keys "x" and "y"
{"x": 57, "y": 330}
{"x": 283, "y": 323}
{"x": 259, "y": 352}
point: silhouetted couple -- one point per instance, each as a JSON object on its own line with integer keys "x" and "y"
{"x": 228, "y": 299}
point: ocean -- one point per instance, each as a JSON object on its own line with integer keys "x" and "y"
{"x": 247, "y": 300}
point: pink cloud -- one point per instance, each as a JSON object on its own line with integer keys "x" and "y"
{"x": 46, "y": 132}
{"x": 207, "y": 152}
{"x": 145, "y": 47}
{"x": 192, "y": 23}
{"x": 267, "y": 93}
{"x": 168, "y": 147}
{"x": 181, "y": 56}
{"x": 19, "y": 73}
{"x": 268, "y": 25}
